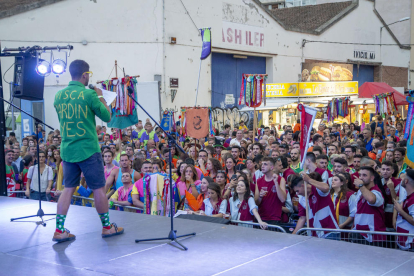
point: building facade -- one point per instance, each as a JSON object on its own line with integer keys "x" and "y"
{"x": 159, "y": 40}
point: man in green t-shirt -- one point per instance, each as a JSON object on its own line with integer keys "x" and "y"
{"x": 77, "y": 107}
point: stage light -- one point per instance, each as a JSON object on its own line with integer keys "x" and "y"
{"x": 58, "y": 66}
{"x": 43, "y": 67}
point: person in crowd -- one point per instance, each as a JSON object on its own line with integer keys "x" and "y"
{"x": 369, "y": 207}
{"x": 222, "y": 180}
{"x": 295, "y": 156}
{"x": 392, "y": 189}
{"x": 213, "y": 166}
{"x": 203, "y": 190}
{"x": 10, "y": 172}
{"x": 270, "y": 193}
{"x": 405, "y": 210}
{"x": 257, "y": 149}
{"x": 115, "y": 177}
{"x": 137, "y": 193}
{"x": 202, "y": 161}
{"x": 399, "y": 155}
{"x": 237, "y": 140}
{"x": 149, "y": 134}
{"x": 343, "y": 200}
{"x": 230, "y": 164}
{"x": 214, "y": 205}
{"x": 120, "y": 197}
{"x": 243, "y": 206}
{"x": 109, "y": 166}
{"x": 350, "y": 152}
{"x": 389, "y": 156}
{"x": 190, "y": 183}
{"x": 321, "y": 209}
{"x": 367, "y": 139}
{"x": 46, "y": 180}
{"x": 311, "y": 165}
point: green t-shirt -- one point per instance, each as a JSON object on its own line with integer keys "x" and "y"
{"x": 77, "y": 107}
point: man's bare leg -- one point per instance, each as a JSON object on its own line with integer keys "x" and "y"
{"x": 101, "y": 204}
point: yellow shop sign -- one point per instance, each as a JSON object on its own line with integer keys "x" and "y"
{"x": 282, "y": 90}
{"x": 311, "y": 89}
{"x": 328, "y": 89}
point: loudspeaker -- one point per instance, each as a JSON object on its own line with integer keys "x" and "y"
{"x": 28, "y": 85}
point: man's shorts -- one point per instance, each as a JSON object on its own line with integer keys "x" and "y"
{"x": 92, "y": 168}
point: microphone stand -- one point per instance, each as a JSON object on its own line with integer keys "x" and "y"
{"x": 40, "y": 212}
{"x": 172, "y": 236}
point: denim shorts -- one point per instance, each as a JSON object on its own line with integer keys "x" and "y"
{"x": 92, "y": 168}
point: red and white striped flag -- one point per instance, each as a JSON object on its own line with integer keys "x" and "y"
{"x": 307, "y": 118}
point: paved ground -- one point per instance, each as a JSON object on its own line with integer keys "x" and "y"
{"x": 27, "y": 248}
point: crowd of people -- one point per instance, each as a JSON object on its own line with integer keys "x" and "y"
{"x": 355, "y": 176}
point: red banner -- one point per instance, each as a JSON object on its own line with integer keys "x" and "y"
{"x": 307, "y": 118}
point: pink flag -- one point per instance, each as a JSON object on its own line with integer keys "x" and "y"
{"x": 307, "y": 118}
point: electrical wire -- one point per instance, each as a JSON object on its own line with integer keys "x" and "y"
{"x": 354, "y": 43}
{"x": 190, "y": 17}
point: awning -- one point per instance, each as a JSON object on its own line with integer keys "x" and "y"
{"x": 273, "y": 103}
{"x": 369, "y": 89}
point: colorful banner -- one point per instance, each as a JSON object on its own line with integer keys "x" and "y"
{"x": 307, "y": 118}
{"x": 206, "y": 37}
{"x": 409, "y": 133}
{"x": 328, "y": 88}
{"x": 326, "y": 72}
{"x": 282, "y": 89}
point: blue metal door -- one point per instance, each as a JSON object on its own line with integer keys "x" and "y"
{"x": 226, "y": 76}
{"x": 364, "y": 74}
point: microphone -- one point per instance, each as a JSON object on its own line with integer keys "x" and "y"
{"x": 91, "y": 86}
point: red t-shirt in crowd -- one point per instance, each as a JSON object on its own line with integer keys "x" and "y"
{"x": 271, "y": 207}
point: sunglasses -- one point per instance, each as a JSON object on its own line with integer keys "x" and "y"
{"x": 90, "y": 74}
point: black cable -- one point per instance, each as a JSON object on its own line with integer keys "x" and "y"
{"x": 6, "y": 72}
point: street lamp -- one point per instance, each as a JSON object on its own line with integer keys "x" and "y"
{"x": 401, "y": 20}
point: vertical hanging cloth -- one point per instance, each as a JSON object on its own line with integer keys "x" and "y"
{"x": 241, "y": 97}
{"x": 264, "y": 90}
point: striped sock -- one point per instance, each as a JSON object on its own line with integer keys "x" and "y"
{"x": 60, "y": 223}
{"x": 105, "y": 220}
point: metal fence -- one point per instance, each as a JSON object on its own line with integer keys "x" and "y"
{"x": 83, "y": 201}
{"x": 374, "y": 238}
{"x": 274, "y": 228}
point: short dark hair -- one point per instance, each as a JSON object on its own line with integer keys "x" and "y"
{"x": 226, "y": 126}
{"x": 283, "y": 160}
{"x": 379, "y": 144}
{"x": 387, "y": 163}
{"x": 270, "y": 159}
{"x": 358, "y": 156}
{"x": 316, "y": 137}
{"x": 296, "y": 181}
{"x": 400, "y": 150}
{"x": 77, "y": 68}
{"x": 235, "y": 147}
{"x": 351, "y": 147}
{"x": 322, "y": 156}
{"x": 340, "y": 161}
{"x": 311, "y": 157}
{"x": 189, "y": 161}
{"x": 317, "y": 148}
{"x": 367, "y": 168}
{"x": 275, "y": 143}
{"x": 259, "y": 145}
{"x": 258, "y": 158}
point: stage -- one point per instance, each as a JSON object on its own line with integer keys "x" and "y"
{"x": 27, "y": 248}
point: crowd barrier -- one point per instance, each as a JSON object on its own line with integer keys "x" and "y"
{"x": 274, "y": 228}
{"x": 373, "y": 238}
